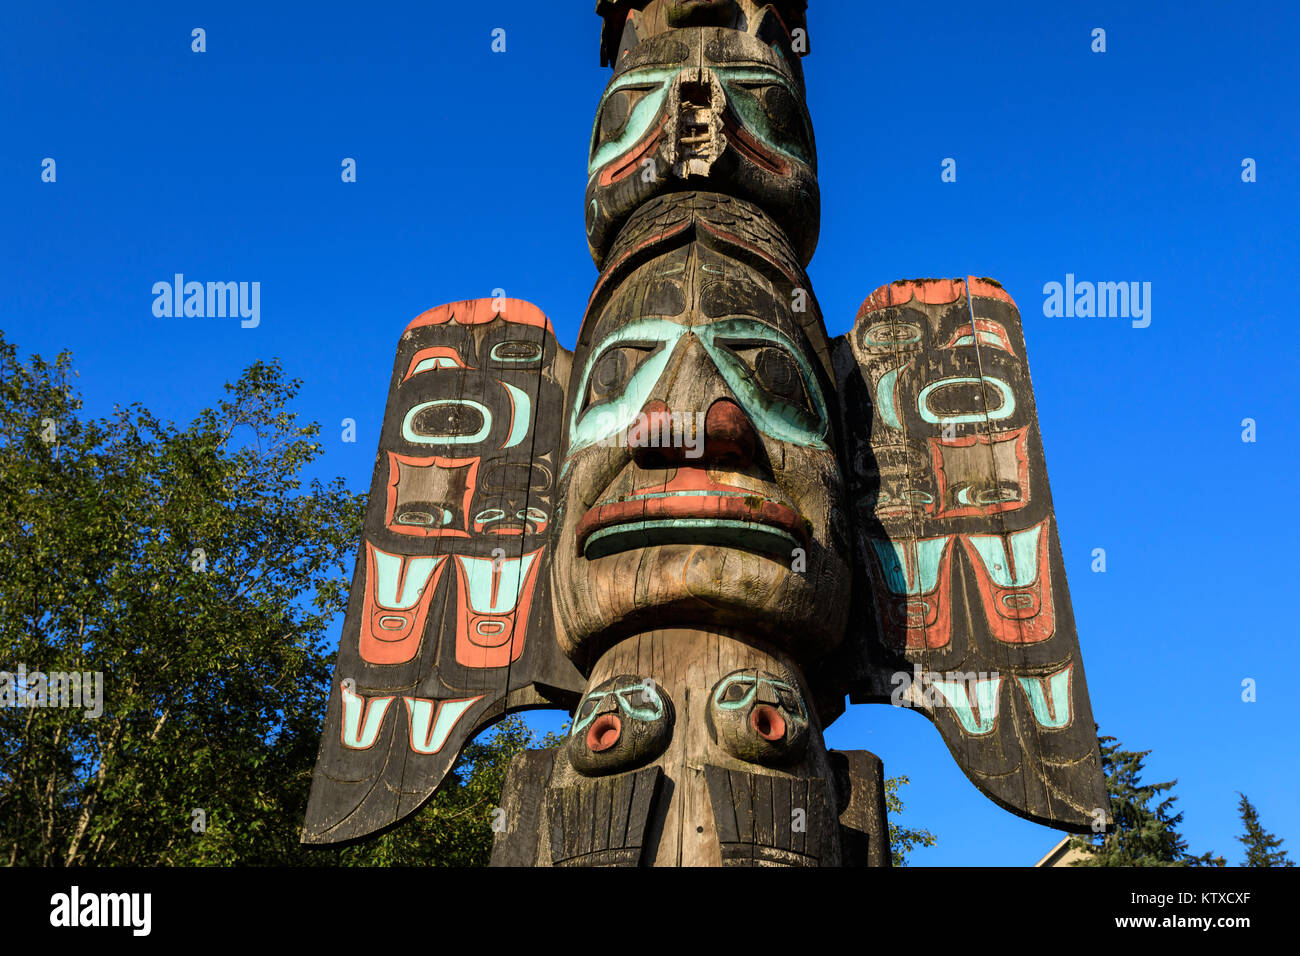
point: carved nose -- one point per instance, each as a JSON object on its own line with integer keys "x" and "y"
{"x": 729, "y": 437}
{"x": 661, "y": 439}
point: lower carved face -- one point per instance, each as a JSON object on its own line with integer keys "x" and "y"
{"x": 700, "y": 485}
{"x": 620, "y": 724}
{"x": 759, "y": 717}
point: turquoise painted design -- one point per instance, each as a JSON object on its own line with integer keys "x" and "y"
{"x": 1051, "y": 706}
{"x": 1005, "y": 410}
{"x": 426, "y": 740}
{"x": 521, "y": 417}
{"x": 992, "y": 550}
{"x": 478, "y": 577}
{"x": 911, "y": 566}
{"x": 775, "y": 418}
{"x": 651, "y": 706}
{"x": 893, "y": 340}
{"x": 886, "y": 400}
{"x": 532, "y": 359}
{"x": 410, "y": 435}
{"x": 727, "y": 532}
{"x": 436, "y": 362}
{"x": 362, "y": 719}
{"x": 785, "y": 691}
{"x": 639, "y": 120}
{"x": 734, "y": 81}
{"x": 778, "y": 419}
{"x": 608, "y": 418}
{"x": 986, "y": 698}
{"x": 987, "y": 497}
{"x": 388, "y": 574}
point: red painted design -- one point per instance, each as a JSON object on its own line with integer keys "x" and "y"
{"x": 480, "y": 312}
{"x": 987, "y": 326}
{"x": 914, "y": 621}
{"x": 630, "y": 162}
{"x": 930, "y": 292}
{"x": 752, "y": 149}
{"x": 393, "y": 645}
{"x": 396, "y": 461}
{"x": 1021, "y": 615}
{"x": 435, "y": 351}
{"x": 492, "y": 640}
{"x": 1019, "y": 436}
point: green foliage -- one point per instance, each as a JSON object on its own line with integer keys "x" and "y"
{"x": 1262, "y": 847}
{"x": 902, "y": 840}
{"x": 1143, "y": 835}
{"x": 194, "y": 572}
{"x": 455, "y": 827}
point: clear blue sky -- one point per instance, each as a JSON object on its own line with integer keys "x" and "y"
{"x": 1122, "y": 166}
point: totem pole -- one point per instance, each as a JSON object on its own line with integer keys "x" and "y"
{"x": 709, "y": 524}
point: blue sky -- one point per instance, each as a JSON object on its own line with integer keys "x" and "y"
{"x": 1116, "y": 166}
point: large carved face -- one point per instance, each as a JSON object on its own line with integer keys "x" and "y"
{"x": 700, "y": 485}
{"x": 716, "y": 108}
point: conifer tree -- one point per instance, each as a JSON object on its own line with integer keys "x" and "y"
{"x": 1142, "y": 835}
{"x": 1262, "y": 847}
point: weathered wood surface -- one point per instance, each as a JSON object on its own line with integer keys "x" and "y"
{"x": 449, "y": 622}
{"x": 738, "y": 521}
{"x": 864, "y": 821}
{"x": 521, "y": 811}
{"x": 721, "y": 108}
{"x": 957, "y": 545}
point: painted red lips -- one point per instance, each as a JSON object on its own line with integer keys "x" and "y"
{"x": 694, "y": 505}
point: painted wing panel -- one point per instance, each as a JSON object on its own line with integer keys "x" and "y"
{"x": 449, "y": 624}
{"x": 965, "y": 614}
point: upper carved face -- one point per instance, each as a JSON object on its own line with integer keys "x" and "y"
{"x": 716, "y": 107}
{"x": 700, "y": 482}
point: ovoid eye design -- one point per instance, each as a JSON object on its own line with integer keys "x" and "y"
{"x": 620, "y": 724}
{"x": 758, "y": 717}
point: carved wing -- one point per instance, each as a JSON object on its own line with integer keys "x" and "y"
{"x": 966, "y": 615}
{"x": 449, "y": 625}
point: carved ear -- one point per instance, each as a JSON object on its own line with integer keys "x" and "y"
{"x": 956, "y": 547}
{"x": 630, "y": 37}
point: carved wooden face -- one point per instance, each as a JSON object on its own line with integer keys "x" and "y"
{"x": 716, "y": 107}
{"x": 700, "y": 483}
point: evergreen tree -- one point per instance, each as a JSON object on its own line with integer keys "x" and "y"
{"x": 1262, "y": 848}
{"x": 1142, "y": 835}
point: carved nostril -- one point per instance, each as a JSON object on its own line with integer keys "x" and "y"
{"x": 767, "y": 722}
{"x": 728, "y": 435}
{"x": 604, "y": 733}
{"x": 650, "y": 438}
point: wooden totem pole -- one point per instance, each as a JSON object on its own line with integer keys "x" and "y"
{"x": 710, "y": 523}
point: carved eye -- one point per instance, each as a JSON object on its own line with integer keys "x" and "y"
{"x": 769, "y": 109}
{"x": 617, "y": 109}
{"x": 447, "y": 421}
{"x": 775, "y": 371}
{"x": 516, "y": 352}
{"x": 622, "y": 723}
{"x": 613, "y": 370}
{"x": 757, "y": 717}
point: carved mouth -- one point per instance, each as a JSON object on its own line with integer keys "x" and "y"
{"x": 703, "y": 513}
